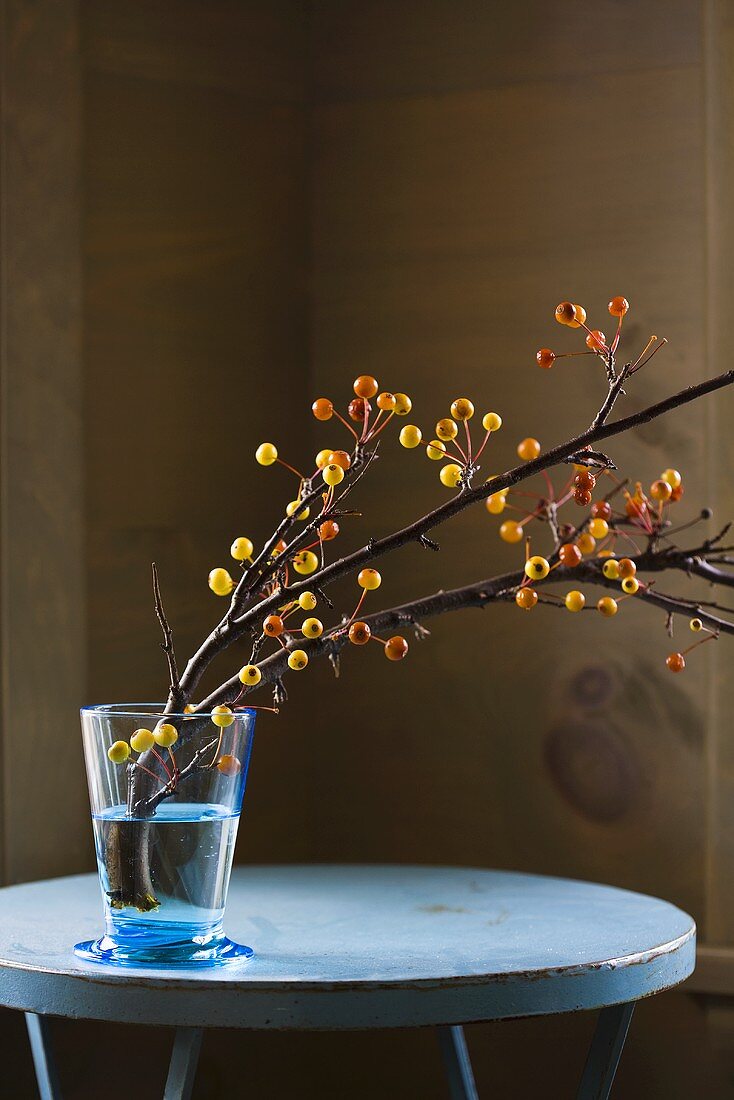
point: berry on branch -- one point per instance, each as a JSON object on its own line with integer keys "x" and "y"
{"x": 365, "y": 386}
{"x": 369, "y": 579}
{"x": 575, "y": 601}
{"x": 332, "y": 474}
{"x": 569, "y": 555}
{"x": 607, "y": 606}
{"x": 436, "y": 450}
{"x": 297, "y": 660}
{"x": 312, "y": 628}
{"x": 250, "y": 675}
{"x": 242, "y": 549}
{"x": 618, "y": 306}
{"x": 526, "y": 598}
{"x": 462, "y": 409}
{"x": 446, "y": 429}
{"x": 676, "y": 662}
{"x": 450, "y": 475}
{"x": 528, "y": 449}
{"x": 305, "y": 562}
{"x": 537, "y": 568}
{"x": 511, "y": 531}
{"x": 118, "y": 752}
{"x": 266, "y": 454}
{"x": 142, "y": 740}
{"x": 322, "y": 409}
{"x": 403, "y": 404}
{"x": 222, "y": 716}
{"x": 220, "y": 582}
{"x": 545, "y": 358}
{"x": 491, "y": 422}
{"x": 396, "y": 648}
{"x": 359, "y": 633}
{"x": 410, "y": 436}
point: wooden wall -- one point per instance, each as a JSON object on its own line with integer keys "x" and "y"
{"x": 278, "y": 196}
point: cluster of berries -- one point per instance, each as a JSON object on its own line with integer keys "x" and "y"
{"x": 165, "y": 735}
{"x": 446, "y": 443}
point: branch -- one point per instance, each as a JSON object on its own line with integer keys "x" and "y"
{"x": 174, "y": 694}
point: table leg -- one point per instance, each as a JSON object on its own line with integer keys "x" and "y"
{"x": 184, "y": 1060}
{"x": 605, "y": 1052}
{"x": 457, "y": 1063}
{"x": 43, "y": 1056}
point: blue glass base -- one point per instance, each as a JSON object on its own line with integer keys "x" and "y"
{"x": 185, "y": 954}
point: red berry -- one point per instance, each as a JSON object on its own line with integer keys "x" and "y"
{"x": 602, "y": 509}
{"x": 396, "y": 648}
{"x": 357, "y": 407}
{"x": 582, "y": 497}
{"x": 676, "y": 662}
{"x": 585, "y": 480}
{"x": 676, "y": 494}
{"x": 545, "y": 358}
{"x": 570, "y": 554}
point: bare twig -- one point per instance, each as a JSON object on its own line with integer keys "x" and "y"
{"x": 174, "y": 691}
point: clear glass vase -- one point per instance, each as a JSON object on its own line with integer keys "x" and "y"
{"x": 166, "y": 794}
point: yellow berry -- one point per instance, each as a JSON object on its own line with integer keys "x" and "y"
{"x": 220, "y": 582}
{"x": 672, "y": 477}
{"x": 293, "y": 507}
{"x": 242, "y": 549}
{"x": 496, "y": 504}
{"x": 189, "y": 708}
{"x": 436, "y": 450}
{"x": 312, "y": 628}
{"x": 410, "y": 436}
{"x": 142, "y": 740}
{"x": 118, "y": 752}
{"x": 586, "y": 543}
{"x": 696, "y": 625}
{"x": 537, "y": 568}
{"x": 491, "y": 422}
{"x": 510, "y": 531}
{"x": 222, "y": 716}
{"x": 322, "y": 458}
{"x": 369, "y": 579}
{"x": 630, "y": 585}
{"x": 250, "y": 675}
{"x": 607, "y": 606}
{"x": 446, "y": 429}
{"x": 403, "y": 404}
{"x": 462, "y": 409}
{"x": 332, "y": 474}
{"x": 298, "y": 659}
{"x": 610, "y": 569}
{"x": 575, "y": 601}
{"x": 599, "y": 528}
{"x": 306, "y": 561}
{"x": 165, "y": 734}
{"x": 528, "y": 449}
{"x": 266, "y": 454}
{"x": 307, "y": 601}
{"x": 450, "y": 475}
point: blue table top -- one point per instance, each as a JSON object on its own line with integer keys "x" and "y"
{"x": 341, "y": 947}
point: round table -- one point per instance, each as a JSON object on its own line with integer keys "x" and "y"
{"x": 360, "y": 947}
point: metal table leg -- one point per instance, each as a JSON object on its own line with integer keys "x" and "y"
{"x": 605, "y": 1052}
{"x": 184, "y": 1060}
{"x": 43, "y": 1056}
{"x": 457, "y": 1063}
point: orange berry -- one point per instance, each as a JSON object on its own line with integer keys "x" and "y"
{"x": 526, "y": 598}
{"x": 607, "y": 606}
{"x": 510, "y": 531}
{"x": 365, "y": 386}
{"x": 582, "y": 497}
{"x": 677, "y": 494}
{"x": 618, "y": 306}
{"x": 661, "y": 490}
{"x": 676, "y": 662}
{"x": 273, "y": 626}
{"x": 584, "y": 479}
{"x": 322, "y": 409}
{"x": 396, "y": 648}
{"x": 569, "y": 554}
{"x": 228, "y": 765}
{"x": 545, "y": 358}
{"x": 339, "y": 458}
{"x": 579, "y": 317}
{"x": 528, "y": 449}
{"x": 328, "y": 530}
{"x": 596, "y": 340}
{"x": 627, "y": 568}
{"x": 359, "y": 633}
{"x": 565, "y": 313}
{"x": 387, "y": 402}
{"x": 586, "y": 543}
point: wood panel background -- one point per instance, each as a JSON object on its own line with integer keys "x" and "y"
{"x": 278, "y": 196}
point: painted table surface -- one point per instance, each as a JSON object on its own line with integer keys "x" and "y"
{"x": 355, "y": 947}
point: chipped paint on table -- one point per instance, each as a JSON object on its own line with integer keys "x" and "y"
{"x": 356, "y": 947}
